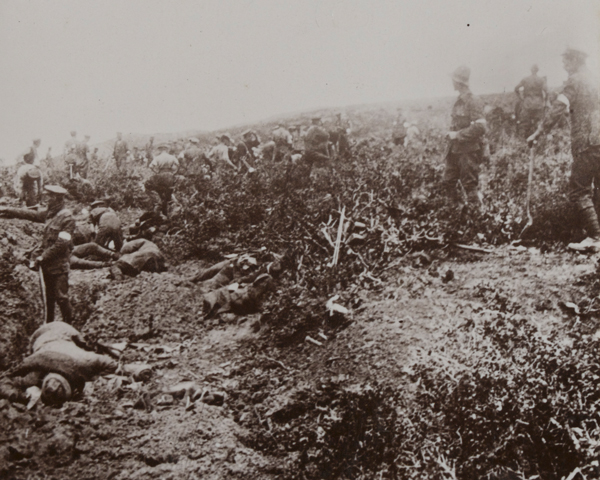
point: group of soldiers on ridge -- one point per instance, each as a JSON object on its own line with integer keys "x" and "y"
{"x": 466, "y": 146}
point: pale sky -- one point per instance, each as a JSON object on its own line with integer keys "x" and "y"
{"x": 154, "y": 66}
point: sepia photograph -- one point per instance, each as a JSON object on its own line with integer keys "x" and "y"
{"x": 300, "y": 240}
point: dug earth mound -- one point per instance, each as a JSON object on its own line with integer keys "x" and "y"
{"x": 406, "y": 355}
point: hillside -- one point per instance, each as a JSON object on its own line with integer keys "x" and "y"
{"x": 441, "y": 345}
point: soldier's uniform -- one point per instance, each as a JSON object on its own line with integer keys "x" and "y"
{"x": 82, "y": 161}
{"x": 28, "y": 180}
{"x": 109, "y": 226}
{"x": 120, "y": 153}
{"x": 55, "y": 251}
{"x": 316, "y": 143}
{"x": 190, "y": 157}
{"x": 580, "y": 97}
{"x": 162, "y": 183}
{"x": 531, "y": 109}
{"x": 464, "y": 153}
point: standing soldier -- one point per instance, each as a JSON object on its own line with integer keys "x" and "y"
{"x": 162, "y": 183}
{"x": 244, "y": 153}
{"x": 149, "y": 150}
{"x": 48, "y": 161}
{"x": 82, "y": 150}
{"x": 55, "y": 252}
{"x": 108, "y": 223}
{"x": 342, "y": 129}
{"x": 28, "y": 180}
{"x": 399, "y": 133}
{"x": 466, "y": 135}
{"x": 70, "y": 144}
{"x": 579, "y": 96}
{"x": 120, "y": 151}
{"x": 316, "y": 143}
{"x": 190, "y": 157}
{"x": 532, "y": 93}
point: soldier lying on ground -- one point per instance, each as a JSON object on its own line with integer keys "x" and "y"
{"x": 252, "y": 282}
{"x": 88, "y": 256}
{"x": 137, "y": 256}
{"x": 61, "y": 361}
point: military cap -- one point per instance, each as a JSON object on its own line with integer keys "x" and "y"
{"x": 226, "y": 136}
{"x": 165, "y": 146}
{"x": 37, "y": 140}
{"x": 56, "y": 389}
{"x": 574, "y": 52}
{"x": 194, "y": 140}
{"x": 97, "y": 203}
{"x": 461, "y": 75}
{"x": 248, "y": 132}
{"x": 316, "y": 119}
{"x": 55, "y": 189}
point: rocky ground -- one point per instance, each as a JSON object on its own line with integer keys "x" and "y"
{"x": 260, "y": 418}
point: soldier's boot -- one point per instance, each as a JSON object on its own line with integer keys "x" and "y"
{"x": 592, "y": 227}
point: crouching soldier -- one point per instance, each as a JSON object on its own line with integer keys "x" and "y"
{"x": 160, "y": 185}
{"x": 61, "y": 361}
{"x": 108, "y": 223}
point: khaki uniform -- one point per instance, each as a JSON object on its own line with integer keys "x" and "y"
{"x": 465, "y": 153}
{"x": 531, "y": 110}
{"x": 120, "y": 153}
{"x": 316, "y": 145}
{"x": 579, "y": 97}
{"x": 109, "y": 227}
{"x": 57, "y": 245}
{"x": 162, "y": 183}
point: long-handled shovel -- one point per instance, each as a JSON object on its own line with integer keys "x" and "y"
{"x": 529, "y": 183}
{"x": 43, "y": 290}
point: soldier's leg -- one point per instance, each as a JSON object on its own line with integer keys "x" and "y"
{"x": 469, "y": 176}
{"x": 102, "y": 238}
{"x": 451, "y": 176}
{"x": 62, "y": 297}
{"x": 93, "y": 249}
{"x": 586, "y": 165}
{"x": 83, "y": 264}
{"x": 50, "y": 284}
{"x": 117, "y": 238}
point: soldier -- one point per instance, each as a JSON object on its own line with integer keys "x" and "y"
{"x": 162, "y": 183}
{"x": 532, "y": 92}
{"x": 70, "y": 144}
{"x": 399, "y": 133}
{"x": 149, "y": 151}
{"x": 244, "y": 153}
{"x": 283, "y": 143}
{"x": 54, "y": 253}
{"x": 316, "y": 143}
{"x": 342, "y": 129}
{"x": 28, "y": 180}
{"x": 221, "y": 153}
{"x": 579, "y": 96}
{"x": 48, "y": 161}
{"x": 108, "y": 223}
{"x": 189, "y": 158}
{"x": 120, "y": 151}
{"x": 466, "y": 135}
{"x": 94, "y": 156}
{"x": 82, "y": 150}
{"x": 30, "y": 155}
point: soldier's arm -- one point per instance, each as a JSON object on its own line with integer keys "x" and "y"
{"x": 559, "y": 107}
{"x": 23, "y": 214}
{"x": 63, "y": 243}
{"x": 518, "y": 88}
{"x": 477, "y": 128}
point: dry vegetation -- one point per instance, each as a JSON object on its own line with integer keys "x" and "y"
{"x": 492, "y": 387}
